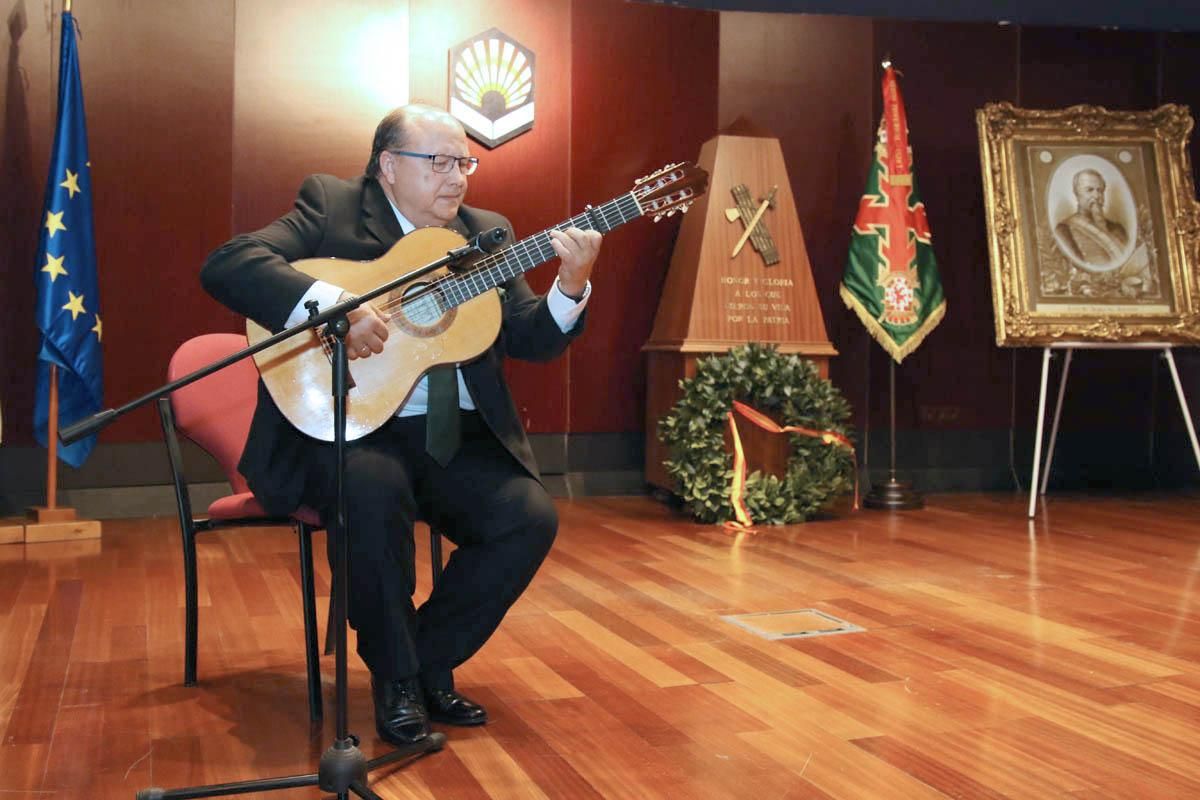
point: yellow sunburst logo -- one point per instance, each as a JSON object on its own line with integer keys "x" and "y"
{"x": 491, "y": 86}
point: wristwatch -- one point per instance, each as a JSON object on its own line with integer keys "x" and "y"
{"x": 574, "y": 298}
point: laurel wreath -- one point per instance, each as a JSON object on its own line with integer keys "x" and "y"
{"x": 787, "y": 388}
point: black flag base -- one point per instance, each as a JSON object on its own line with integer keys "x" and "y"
{"x": 894, "y": 495}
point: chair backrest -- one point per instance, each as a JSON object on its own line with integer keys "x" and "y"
{"x": 215, "y": 411}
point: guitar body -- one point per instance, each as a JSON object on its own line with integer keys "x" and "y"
{"x": 297, "y": 371}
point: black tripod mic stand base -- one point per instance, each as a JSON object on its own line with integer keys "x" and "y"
{"x": 343, "y": 769}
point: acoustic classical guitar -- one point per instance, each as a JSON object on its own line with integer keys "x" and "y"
{"x": 446, "y": 317}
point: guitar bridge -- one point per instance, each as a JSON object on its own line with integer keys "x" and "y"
{"x": 327, "y": 349}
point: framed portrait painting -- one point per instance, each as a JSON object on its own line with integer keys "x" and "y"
{"x": 1092, "y": 224}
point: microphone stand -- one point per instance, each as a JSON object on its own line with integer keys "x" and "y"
{"x": 343, "y": 768}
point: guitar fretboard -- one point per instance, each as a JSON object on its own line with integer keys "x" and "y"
{"x": 530, "y": 252}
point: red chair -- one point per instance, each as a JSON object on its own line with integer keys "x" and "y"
{"x": 215, "y": 413}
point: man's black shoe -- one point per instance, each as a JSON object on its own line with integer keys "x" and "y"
{"x": 399, "y": 716}
{"x": 452, "y": 708}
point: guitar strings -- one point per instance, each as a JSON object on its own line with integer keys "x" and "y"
{"x": 490, "y": 272}
{"x": 424, "y": 306}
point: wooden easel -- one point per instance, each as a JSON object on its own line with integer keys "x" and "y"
{"x": 714, "y": 300}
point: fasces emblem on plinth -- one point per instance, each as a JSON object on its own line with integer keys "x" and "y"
{"x": 751, "y": 215}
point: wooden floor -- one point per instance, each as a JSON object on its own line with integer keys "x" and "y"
{"x": 1000, "y": 658}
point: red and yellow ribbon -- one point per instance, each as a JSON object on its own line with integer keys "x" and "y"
{"x": 738, "y": 487}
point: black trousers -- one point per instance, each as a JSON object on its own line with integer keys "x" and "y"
{"x": 500, "y": 518}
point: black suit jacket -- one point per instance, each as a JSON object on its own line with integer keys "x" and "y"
{"x": 353, "y": 220}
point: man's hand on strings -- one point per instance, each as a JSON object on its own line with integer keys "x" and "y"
{"x": 368, "y": 330}
{"x": 577, "y": 250}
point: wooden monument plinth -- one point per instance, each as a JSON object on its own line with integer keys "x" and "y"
{"x": 714, "y": 300}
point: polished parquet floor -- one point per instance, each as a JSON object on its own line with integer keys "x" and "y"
{"x": 1000, "y": 658}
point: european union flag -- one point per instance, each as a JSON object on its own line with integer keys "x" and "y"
{"x": 68, "y": 304}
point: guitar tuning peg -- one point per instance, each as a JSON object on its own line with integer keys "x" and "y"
{"x": 657, "y": 173}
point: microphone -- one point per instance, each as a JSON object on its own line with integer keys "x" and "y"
{"x": 484, "y": 242}
{"x": 490, "y": 241}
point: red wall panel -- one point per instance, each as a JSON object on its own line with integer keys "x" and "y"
{"x": 643, "y": 94}
{"x": 309, "y": 88}
{"x": 526, "y": 178}
{"x": 159, "y": 118}
{"x": 29, "y": 88}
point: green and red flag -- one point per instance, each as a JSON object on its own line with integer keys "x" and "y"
{"x": 891, "y": 278}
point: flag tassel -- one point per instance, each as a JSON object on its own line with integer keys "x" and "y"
{"x": 881, "y": 335}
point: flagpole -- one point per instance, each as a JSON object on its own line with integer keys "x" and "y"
{"x": 52, "y": 438}
{"x": 52, "y": 422}
{"x": 893, "y": 494}
{"x": 892, "y": 418}
{"x": 52, "y": 425}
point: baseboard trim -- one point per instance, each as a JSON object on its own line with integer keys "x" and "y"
{"x": 133, "y": 480}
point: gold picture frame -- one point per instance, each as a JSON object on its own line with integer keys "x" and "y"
{"x": 1092, "y": 224}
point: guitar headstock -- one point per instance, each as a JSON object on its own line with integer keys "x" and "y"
{"x": 673, "y": 188}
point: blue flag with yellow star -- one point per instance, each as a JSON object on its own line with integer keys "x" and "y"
{"x": 68, "y": 298}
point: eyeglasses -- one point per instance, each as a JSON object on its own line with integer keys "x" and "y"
{"x": 443, "y": 163}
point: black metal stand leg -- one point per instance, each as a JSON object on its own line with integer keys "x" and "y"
{"x": 362, "y": 791}
{"x": 340, "y": 327}
{"x": 312, "y": 660}
{"x": 343, "y": 767}
{"x": 223, "y": 789}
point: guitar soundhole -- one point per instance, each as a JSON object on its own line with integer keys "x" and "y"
{"x": 420, "y": 312}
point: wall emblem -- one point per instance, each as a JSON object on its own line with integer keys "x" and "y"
{"x": 491, "y": 87}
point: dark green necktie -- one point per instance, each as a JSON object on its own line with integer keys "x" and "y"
{"x": 443, "y": 428}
